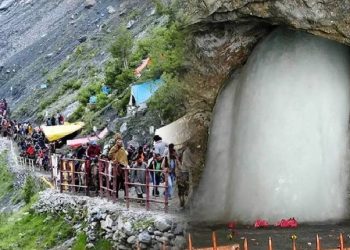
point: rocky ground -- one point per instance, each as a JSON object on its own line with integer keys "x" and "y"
{"x": 52, "y": 42}
{"x": 125, "y": 228}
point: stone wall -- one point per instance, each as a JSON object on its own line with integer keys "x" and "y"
{"x": 99, "y": 218}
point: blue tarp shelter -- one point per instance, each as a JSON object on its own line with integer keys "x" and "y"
{"x": 143, "y": 91}
{"x": 106, "y": 90}
{"x": 93, "y": 99}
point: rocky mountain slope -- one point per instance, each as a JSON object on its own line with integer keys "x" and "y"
{"x": 51, "y": 42}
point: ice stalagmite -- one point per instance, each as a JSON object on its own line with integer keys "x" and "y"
{"x": 278, "y": 144}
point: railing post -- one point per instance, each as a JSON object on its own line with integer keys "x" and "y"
{"x": 147, "y": 189}
{"x": 61, "y": 176}
{"x": 117, "y": 178}
{"x": 190, "y": 242}
{"x": 213, "y": 237}
{"x": 126, "y": 184}
{"x": 87, "y": 178}
{"x": 341, "y": 241}
{"x": 166, "y": 196}
{"x": 115, "y": 184}
{"x": 270, "y": 243}
{"x": 294, "y": 244}
{"x": 108, "y": 181}
{"x": 73, "y": 178}
{"x": 318, "y": 245}
{"x": 100, "y": 177}
{"x": 245, "y": 244}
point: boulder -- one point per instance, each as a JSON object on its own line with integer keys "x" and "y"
{"x": 130, "y": 24}
{"x": 145, "y": 238}
{"x": 127, "y": 228}
{"x": 89, "y": 3}
{"x": 82, "y": 39}
{"x": 4, "y": 5}
{"x": 180, "y": 242}
{"x": 162, "y": 225}
{"x": 158, "y": 233}
{"x": 89, "y": 246}
{"x": 107, "y": 224}
{"x": 131, "y": 240}
{"x": 179, "y": 230}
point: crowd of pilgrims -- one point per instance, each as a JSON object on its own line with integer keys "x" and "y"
{"x": 156, "y": 156}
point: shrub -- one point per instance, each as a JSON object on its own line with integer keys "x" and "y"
{"x": 90, "y": 90}
{"x": 165, "y": 47}
{"x": 124, "y": 79}
{"x": 78, "y": 113}
{"x": 122, "y": 46}
{"x": 112, "y": 70}
{"x": 28, "y": 189}
{"x": 122, "y": 102}
{"x": 102, "y": 100}
{"x": 169, "y": 100}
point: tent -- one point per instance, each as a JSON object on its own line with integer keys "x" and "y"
{"x": 143, "y": 65}
{"x": 106, "y": 90}
{"x": 77, "y": 142}
{"x": 143, "y": 91}
{"x": 177, "y": 132}
{"x": 92, "y": 99}
{"x": 53, "y": 133}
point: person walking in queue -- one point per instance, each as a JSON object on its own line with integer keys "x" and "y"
{"x": 172, "y": 156}
{"x": 93, "y": 151}
{"x": 60, "y": 119}
{"x": 119, "y": 156}
{"x": 159, "y": 146}
{"x": 166, "y": 174}
{"x": 139, "y": 176}
{"x": 182, "y": 181}
{"x": 53, "y": 120}
{"x": 156, "y": 164}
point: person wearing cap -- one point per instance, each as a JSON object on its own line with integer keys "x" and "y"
{"x": 93, "y": 150}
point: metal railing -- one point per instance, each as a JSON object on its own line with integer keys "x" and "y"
{"x": 215, "y": 245}
{"x": 27, "y": 162}
{"x": 74, "y": 175}
{"x": 108, "y": 179}
{"x": 113, "y": 178}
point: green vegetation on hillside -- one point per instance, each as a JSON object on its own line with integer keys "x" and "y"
{"x": 6, "y": 178}
{"x": 25, "y": 230}
{"x": 81, "y": 241}
{"x": 80, "y": 75}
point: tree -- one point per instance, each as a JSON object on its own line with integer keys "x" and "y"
{"x": 122, "y": 47}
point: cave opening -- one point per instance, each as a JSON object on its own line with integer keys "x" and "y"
{"x": 278, "y": 143}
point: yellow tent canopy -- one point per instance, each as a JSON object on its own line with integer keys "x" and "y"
{"x": 54, "y": 133}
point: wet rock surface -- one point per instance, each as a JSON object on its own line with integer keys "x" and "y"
{"x": 223, "y": 34}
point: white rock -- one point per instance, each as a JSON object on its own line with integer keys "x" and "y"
{"x": 111, "y": 10}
